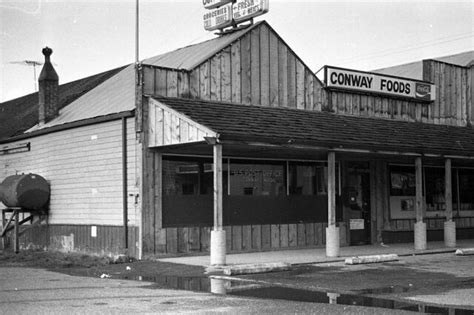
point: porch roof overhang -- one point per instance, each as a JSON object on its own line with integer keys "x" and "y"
{"x": 282, "y": 132}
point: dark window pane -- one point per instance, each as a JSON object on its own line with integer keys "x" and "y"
{"x": 257, "y": 179}
{"x": 402, "y": 181}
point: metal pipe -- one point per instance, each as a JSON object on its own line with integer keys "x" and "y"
{"x": 124, "y": 182}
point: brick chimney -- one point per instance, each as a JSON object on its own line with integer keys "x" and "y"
{"x": 48, "y": 89}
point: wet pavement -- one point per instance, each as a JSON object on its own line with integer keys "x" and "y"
{"x": 433, "y": 281}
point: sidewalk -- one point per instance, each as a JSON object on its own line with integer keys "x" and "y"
{"x": 318, "y": 255}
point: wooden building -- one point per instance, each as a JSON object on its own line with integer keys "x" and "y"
{"x": 237, "y": 134}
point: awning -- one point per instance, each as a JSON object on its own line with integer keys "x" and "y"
{"x": 292, "y": 128}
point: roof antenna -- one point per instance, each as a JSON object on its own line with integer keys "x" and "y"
{"x": 30, "y": 63}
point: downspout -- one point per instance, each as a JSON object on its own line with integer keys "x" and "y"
{"x": 124, "y": 182}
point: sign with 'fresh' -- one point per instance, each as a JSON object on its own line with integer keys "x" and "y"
{"x": 381, "y": 84}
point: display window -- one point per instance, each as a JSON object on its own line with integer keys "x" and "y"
{"x": 255, "y": 192}
{"x": 403, "y": 191}
{"x": 307, "y": 179}
{"x": 257, "y": 179}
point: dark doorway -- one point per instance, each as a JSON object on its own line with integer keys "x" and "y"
{"x": 357, "y": 199}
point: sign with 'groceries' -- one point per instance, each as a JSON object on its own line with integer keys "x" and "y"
{"x": 346, "y": 79}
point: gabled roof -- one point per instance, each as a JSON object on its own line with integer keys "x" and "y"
{"x": 283, "y": 126}
{"x": 114, "y": 95}
{"x": 20, "y": 114}
{"x": 414, "y": 70}
{"x": 189, "y": 57}
{"x": 105, "y": 93}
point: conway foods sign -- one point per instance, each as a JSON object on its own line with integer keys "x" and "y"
{"x": 345, "y": 79}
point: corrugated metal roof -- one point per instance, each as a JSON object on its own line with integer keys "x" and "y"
{"x": 414, "y": 70}
{"x": 280, "y": 126}
{"x": 20, "y": 114}
{"x": 187, "y": 58}
{"x": 115, "y": 95}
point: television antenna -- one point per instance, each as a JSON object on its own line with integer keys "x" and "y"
{"x": 31, "y": 63}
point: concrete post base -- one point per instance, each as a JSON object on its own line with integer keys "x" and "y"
{"x": 420, "y": 236}
{"x": 218, "y": 286}
{"x": 450, "y": 234}
{"x": 218, "y": 247}
{"x": 332, "y": 241}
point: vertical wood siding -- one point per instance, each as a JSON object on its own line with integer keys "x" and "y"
{"x": 257, "y": 69}
{"x": 84, "y": 168}
{"x": 260, "y": 69}
{"x": 244, "y": 238}
{"x": 453, "y": 104}
{"x": 168, "y": 127}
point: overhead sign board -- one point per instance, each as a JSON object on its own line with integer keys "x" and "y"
{"x": 218, "y": 18}
{"x": 346, "y": 79}
{"x": 211, "y": 4}
{"x": 246, "y": 9}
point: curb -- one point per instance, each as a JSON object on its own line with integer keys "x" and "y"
{"x": 371, "y": 259}
{"x": 464, "y": 251}
{"x": 256, "y": 268}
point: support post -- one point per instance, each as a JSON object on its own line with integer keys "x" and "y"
{"x": 218, "y": 237}
{"x": 449, "y": 225}
{"x": 4, "y": 241}
{"x": 16, "y": 244}
{"x": 332, "y": 231}
{"x": 420, "y": 226}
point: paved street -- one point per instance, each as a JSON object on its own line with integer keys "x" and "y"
{"x": 36, "y": 291}
{"x": 433, "y": 278}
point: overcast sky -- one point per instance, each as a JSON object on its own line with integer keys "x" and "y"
{"x": 89, "y": 37}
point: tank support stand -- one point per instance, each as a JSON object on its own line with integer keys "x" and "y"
{"x": 14, "y": 223}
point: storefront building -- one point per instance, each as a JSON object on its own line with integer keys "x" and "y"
{"x": 240, "y": 147}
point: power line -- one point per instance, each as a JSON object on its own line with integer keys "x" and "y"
{"x": 395, "y": 51}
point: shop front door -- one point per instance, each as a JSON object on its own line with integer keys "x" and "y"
{"x": 358, "y": 194}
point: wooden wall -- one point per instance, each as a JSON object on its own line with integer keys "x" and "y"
{"x": 260, "y": 69}
{"x": 84, "y": 168}
{"x": 167, "y": 127}
{"x": 257, "y": 69}
{"x": 453, "y": 104}
{"x": 376, "y": 106}
{"x": 431, "y": 223}
{"x": 244, "y": 238}
{"x": 109, "y": 239}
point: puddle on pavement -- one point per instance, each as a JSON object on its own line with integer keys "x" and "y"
{"x": 385, "y": 290}
{"x": 258, "y": 289}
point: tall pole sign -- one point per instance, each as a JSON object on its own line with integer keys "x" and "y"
{"x": 224, "y": 13}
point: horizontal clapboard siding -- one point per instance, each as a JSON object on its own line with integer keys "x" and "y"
{"x": 84, "y": 168}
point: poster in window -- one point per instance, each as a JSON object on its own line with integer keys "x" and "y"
{"x": 407, "y": 204}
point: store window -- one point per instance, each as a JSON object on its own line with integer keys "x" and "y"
{"x": 466, "y": 189}
{"x": 257, "y": 179}
{"x": 307, "y": 179}
{"x": 435, "y": 189}
{"x": 184, "y": 176}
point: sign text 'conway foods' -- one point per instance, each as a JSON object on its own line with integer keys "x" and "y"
{"x": 375, "y": 83}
